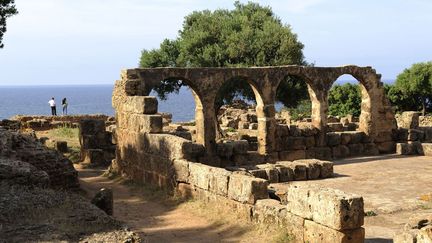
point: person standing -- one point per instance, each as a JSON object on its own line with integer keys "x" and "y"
{"x": 53, "y": 107}
{"x": 64, "y": 105}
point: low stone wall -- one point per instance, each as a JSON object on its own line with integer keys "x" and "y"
{"x": 40, "y": 123}
{"x": 413, "y": 138}
{"x": 309, "y": 213}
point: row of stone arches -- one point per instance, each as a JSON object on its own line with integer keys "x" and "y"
{"x": 376, "y": 113}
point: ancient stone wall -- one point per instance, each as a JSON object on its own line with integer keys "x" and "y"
{"x": 376, "y": 120}
{"x": 40, "y": 123}
{"x": 413, "y": 138}
{"x": 309, "y": 213}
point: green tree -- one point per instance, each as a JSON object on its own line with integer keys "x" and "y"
{"x": 7, "y": 9}
{"x": 401, "y": 101}
{"x": 416, "y": 83}
{"x": 248, "y": 35}
{"x": 344, "y": 99}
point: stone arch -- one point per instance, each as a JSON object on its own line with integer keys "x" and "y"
{"x": 203, "y": 135}
{"x": 260, "y": 108}
{"x": 365, "y": 105}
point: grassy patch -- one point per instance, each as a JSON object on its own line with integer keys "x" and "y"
{"x": 68, "y": 134}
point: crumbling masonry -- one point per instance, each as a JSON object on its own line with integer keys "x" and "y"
{"x": 228, "y": 172}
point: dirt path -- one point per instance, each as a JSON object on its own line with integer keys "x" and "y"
{"x": 157, "y": 222}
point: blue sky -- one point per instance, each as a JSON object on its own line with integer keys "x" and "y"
{"x": 90, "y": 41}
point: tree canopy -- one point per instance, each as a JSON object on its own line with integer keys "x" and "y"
{"x": 7, "y": 9}
{"x": 413, "y": 87}
{"x": 344, "y": 99}
{"x": 248, "y": 35}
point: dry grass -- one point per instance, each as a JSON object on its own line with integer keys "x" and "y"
{"x": 68, "y": 134}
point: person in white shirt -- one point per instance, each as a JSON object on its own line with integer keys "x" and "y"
{"x": 53, "y": 107}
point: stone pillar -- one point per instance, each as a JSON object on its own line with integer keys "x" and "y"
{"x": 265, "y": 111}
{"x": 205, "y": 122}
{"x": 319, "y": 99}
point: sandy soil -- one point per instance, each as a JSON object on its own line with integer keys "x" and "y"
{"x": 160, "y": 222}
{"x": 391, "y": 186}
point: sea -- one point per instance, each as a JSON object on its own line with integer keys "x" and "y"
{"x": 87, "y": 99}
{"x": 82, "y": 99}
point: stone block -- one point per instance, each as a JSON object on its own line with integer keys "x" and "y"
{"x": 329, "y": 207}
{"x": 356, "y": 137}
{"x": 199, "y": 175}
{"x": 383, "y": 136}
{"x": 285, "y": 173}
{"x": 94, "y": 157}
{"x": 91, "y": 126}
{"x": 313, "y": 169}
{"x": 272, "y": 174}
{"x": 424, "y": 235}
{"x": 335, "y": 127}
{"x": 240, "y": 146}
{"x": 324, "y": 153}
{"x": 309, "y": 141}
{"x": 254, "y": 157}
{"x": 405, "y": 237}
{"x": 336, "y": 152}
{"x": 405, "y": 149}
{"x": 426, "y": 149}
{"x": 268, "y": 211}
{"x": 295, "y": 143}
{"x": 225, "y": 150}
{"x": 386, "y": 147}
{"x": 427, "y": 134}
{"x": 326, "y": 168}
{"x": 292, "y": 155}
{"x": 314, "y": 232}
{"x": 246, "y": 189}
{"x": 299, "y": 170}
{"x": 356, "y": 149}
{"x": 409, "y": 120}
{"x": 345, "y": 138}
{"x": 344, "y": 151}
{"x": 402, "y": 134}
{"x": 333, "y": 139}
{"x": 370, "y": 149}
{"x": 218, "y": 182}
{"x": 181, "y": 170}
{"x": 104, "y": 200}
{"x": 61, "y": 146}
{"x": 141, "y": 105}
{"x": 415, "y": 135}
{"x": 151, "y": 123}
{"x": 259, "y": 173}
{"x": 295, "y": 226}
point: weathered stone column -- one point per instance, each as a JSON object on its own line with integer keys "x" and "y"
{"x": 266, "y": 119}
{"x": 205, "y": 122}
{"x": 319, "y": 112}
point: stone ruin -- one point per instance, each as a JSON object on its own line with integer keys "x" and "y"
{"x": 195, "y": 162}
{"x": 97, "y": 142}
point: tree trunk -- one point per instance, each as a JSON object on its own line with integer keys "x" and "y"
{"x": 423, "y": 106}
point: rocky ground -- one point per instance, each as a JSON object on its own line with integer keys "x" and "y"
{"x": 40, "y": 198}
